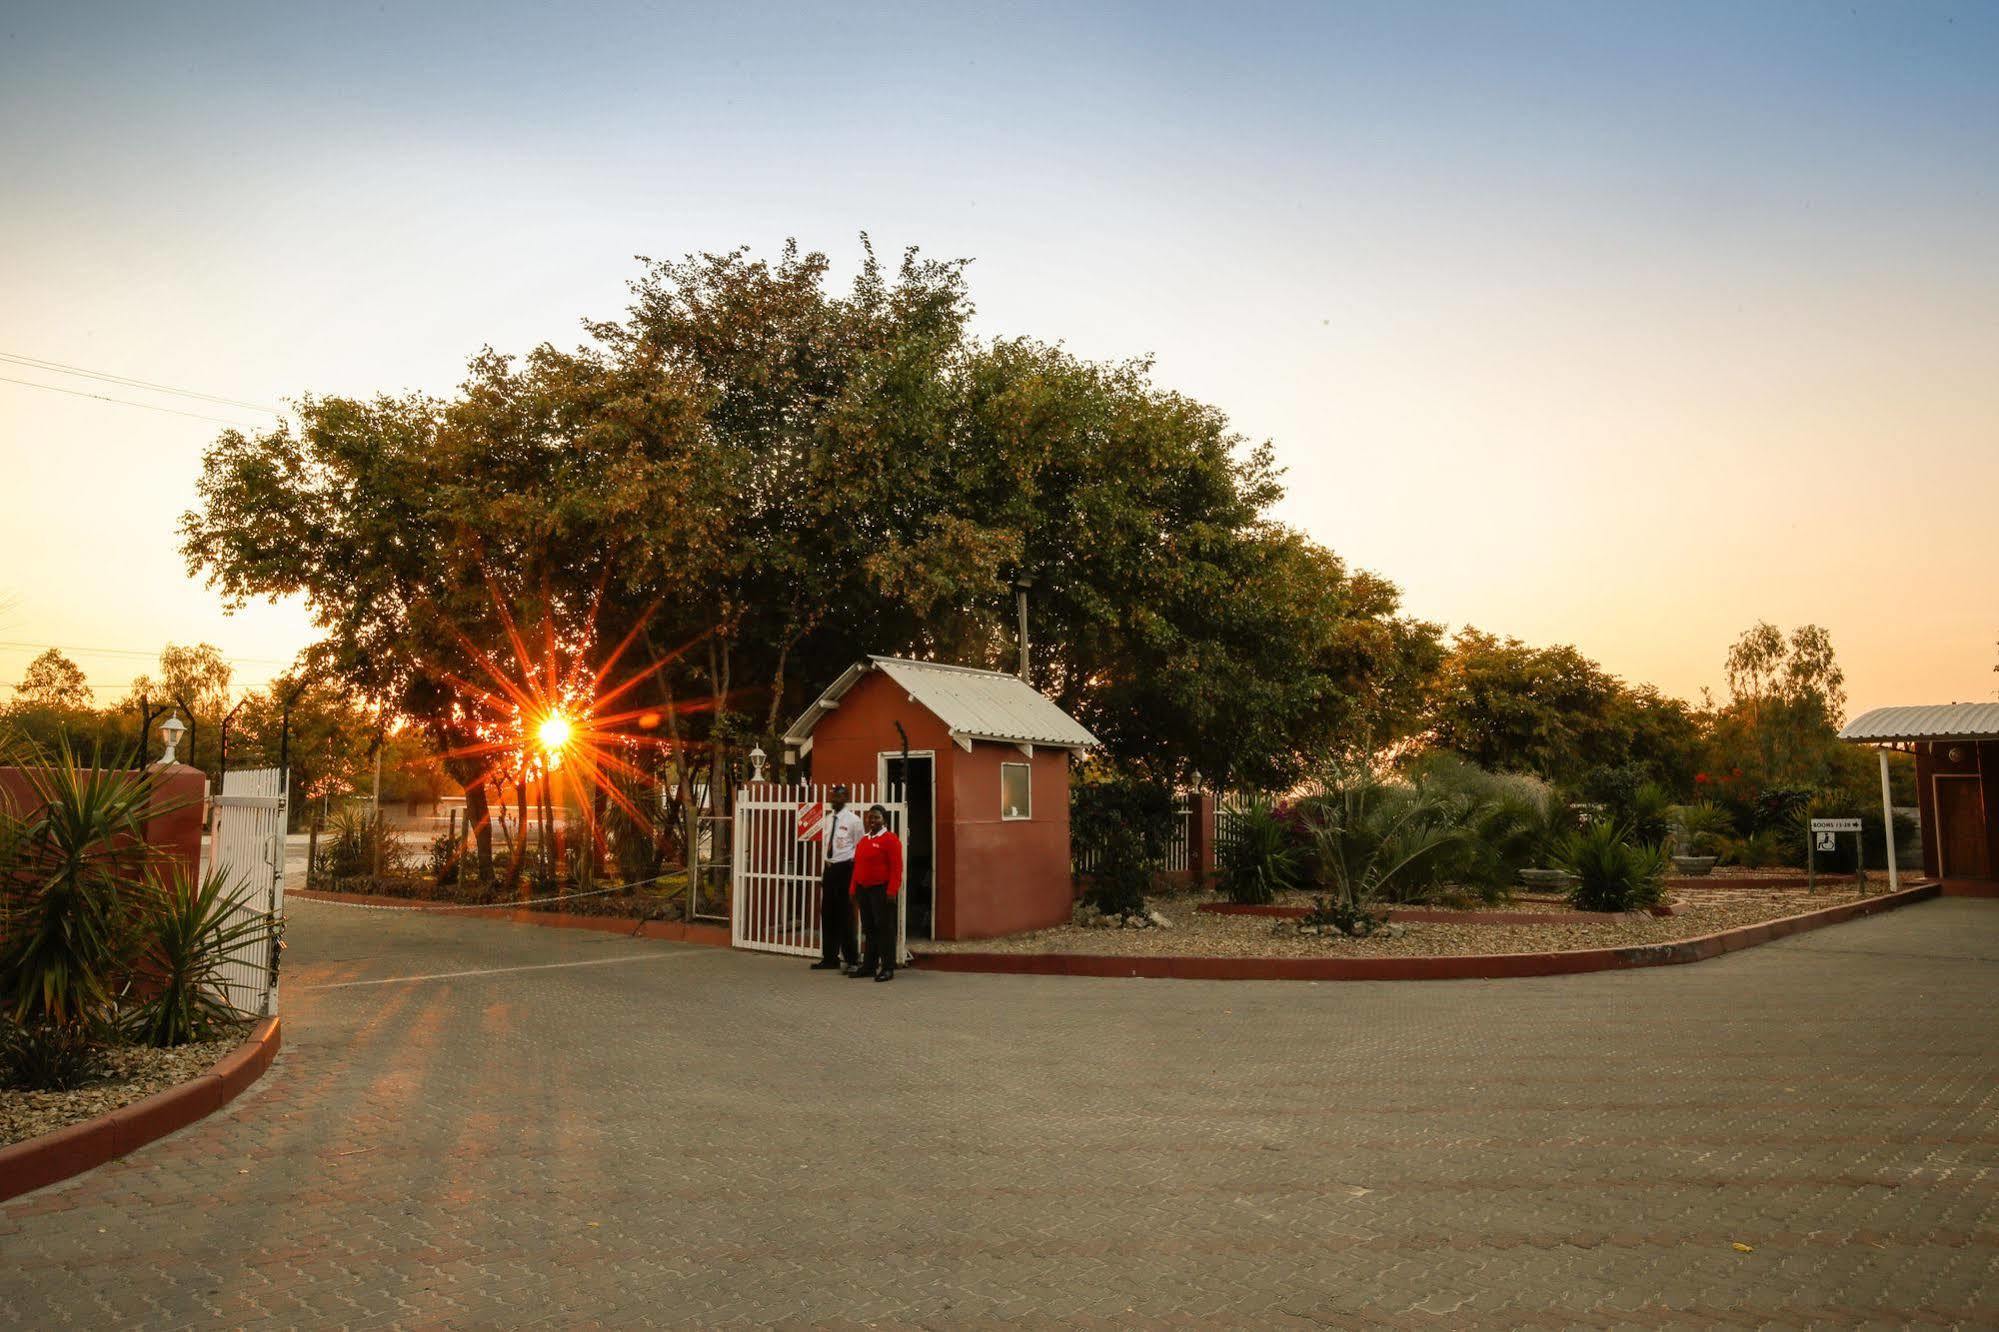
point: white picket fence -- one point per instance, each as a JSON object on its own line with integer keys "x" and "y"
{"x": 1177, "y": 857}
{"x": 248, "y": 848}
{"x": 774, "y": 881}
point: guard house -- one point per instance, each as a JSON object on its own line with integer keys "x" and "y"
{"x": 1956, "y": 746}
{"x": 987, "y": 781}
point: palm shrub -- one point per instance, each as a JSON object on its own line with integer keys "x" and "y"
{"x": 347, "y": 849}
{"x": 1373, "y": 841}
{"x": 1700, "y": 829}
{"x": 1613, "y": 872}
{"x": 1259, "y": 858}
{"x": 1510, "y": 821}
{"x": 192, "y": 930}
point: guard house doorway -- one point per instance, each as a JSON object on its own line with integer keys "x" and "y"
{"x": 919, "y": 786}
{"x": 1960, "y": 806}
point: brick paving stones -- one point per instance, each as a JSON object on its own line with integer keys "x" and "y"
{"x": 690, "y": 1137}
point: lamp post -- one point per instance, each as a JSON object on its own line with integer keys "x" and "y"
{"x": 757, "y": 760}
{"x": 171, "y": 730}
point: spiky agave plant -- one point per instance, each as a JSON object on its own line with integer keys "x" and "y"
{"x": 1377, "y": 842}
{"x": 73, "y": 872}
{"x": 192, "y": 931}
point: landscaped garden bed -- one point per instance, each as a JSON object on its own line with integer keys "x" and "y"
{"x": 1194, "y": 933}
{"x": 131, "y": 1073}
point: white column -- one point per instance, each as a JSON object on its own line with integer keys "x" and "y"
{"x": 1888, "y": 822}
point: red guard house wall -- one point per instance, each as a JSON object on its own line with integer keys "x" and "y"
{"x": 1956, "y": 748}
{"x": 994, "y": 870}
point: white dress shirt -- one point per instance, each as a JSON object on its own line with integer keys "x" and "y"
{"x": 843, "y": 830}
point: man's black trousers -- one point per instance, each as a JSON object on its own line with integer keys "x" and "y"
{"x": 836, "y": 915}
{"x": 878, "y": 915}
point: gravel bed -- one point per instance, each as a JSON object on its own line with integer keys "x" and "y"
{"x": 1205, "y": 934}
{"x": 136, "y": 1072}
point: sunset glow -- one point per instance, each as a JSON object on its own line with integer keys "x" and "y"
{"x": 553, "y": 733}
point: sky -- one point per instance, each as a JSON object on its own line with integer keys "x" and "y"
{"x": 1622, "y": 325}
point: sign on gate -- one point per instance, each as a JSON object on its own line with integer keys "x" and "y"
{"x": 779, "y": 852}
{"x": 248, "y": 851}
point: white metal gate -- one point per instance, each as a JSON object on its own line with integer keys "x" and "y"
{"x": 249, "y": 851}
{"x": 774, "y": 883}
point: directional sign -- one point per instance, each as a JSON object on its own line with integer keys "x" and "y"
{"x": 1835, "y": 825}
{"x": 811, "y": 820}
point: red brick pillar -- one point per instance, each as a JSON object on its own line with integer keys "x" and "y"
{"x": 180, "y": 800}
{"x": 1201, "y": 835}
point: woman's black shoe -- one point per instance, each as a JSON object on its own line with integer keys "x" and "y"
{"x": 858, "y": 973}
{"x": 825, "y": 966}
{"x": 884, "y": 975}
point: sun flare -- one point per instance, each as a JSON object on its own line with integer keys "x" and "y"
{"x": 554, "y": 732}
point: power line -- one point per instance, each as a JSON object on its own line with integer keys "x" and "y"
{"x": 114, "y": 688}
{"x": 126, "y": 652}
{"x": 125, "y": 402}
{"x": 130, "y": 382}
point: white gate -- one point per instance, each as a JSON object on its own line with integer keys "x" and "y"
{"x": 249, "y": 852}
{"x": 774, "y": 882}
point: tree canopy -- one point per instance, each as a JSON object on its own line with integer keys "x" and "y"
{"x": 757, "y": 480}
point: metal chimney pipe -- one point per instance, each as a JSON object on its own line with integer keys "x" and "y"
{"x": 1020, "y": 587}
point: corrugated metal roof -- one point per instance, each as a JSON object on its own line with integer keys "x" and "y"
{"x": 1936, "y": 721}
{"x": 973, "y": 704}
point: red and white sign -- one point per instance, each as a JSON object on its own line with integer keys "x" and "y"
{"x": 811, "y": 821}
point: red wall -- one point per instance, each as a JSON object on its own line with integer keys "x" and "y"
{"x": 1976, "y": 758}
{"x": 175, "y": 830}
{"x": 993, "y": 877}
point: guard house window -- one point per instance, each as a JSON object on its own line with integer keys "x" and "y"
{"x": 1016, "y": 791}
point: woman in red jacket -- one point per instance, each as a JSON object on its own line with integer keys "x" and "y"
{"x": 876, "y": 885}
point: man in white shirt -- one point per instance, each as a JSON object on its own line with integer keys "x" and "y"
{"x": 839, "y": 947}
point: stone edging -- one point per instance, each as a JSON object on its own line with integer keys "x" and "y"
{"x": 1446, "y": 916}
{"x": 1487, "y": 966}
{"x": 75, "y": 1148}
{"x": 672, "y": 931}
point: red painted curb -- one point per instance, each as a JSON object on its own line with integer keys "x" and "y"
{"x": 75, "y": 1148}
{"x": 1488, "y": 966}
{"x": 672, "y": 931}
{"x": 1445, "y": 916}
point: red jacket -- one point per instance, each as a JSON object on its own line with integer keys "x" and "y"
{"x": 878, "y": 859}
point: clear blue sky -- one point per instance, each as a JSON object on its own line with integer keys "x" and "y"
{"x": 1605, "y": 324}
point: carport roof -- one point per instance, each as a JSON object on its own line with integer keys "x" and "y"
{"x": 973, "y": 705}
{"x": 1934, "y": 721}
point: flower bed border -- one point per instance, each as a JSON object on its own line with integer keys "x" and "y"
{"x": 1447, "y": 916}
{"x": 671, "y": 931}
{"x": 49, "y": 1158}
{"x": 1473, "y": 966}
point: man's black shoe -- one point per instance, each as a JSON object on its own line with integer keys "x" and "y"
{"x": 884, "y": 975}
{"x": 825, "y": 966}
{"x": 859, "y": 973}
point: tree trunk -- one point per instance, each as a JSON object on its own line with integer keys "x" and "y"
{"x": 480, "y": 816}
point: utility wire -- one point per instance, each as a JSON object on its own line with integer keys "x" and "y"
{"x": 125, "y": 402}
{"x": 130, "y": 382}
{"x": 127, "y": 652}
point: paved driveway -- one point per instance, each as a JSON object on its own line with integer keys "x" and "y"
{"x": 486, "y": 1124}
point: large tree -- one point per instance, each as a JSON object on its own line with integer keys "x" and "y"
{"x": 754, "y": 480}
{"x": 54, "y": 681}
{"x": 1550, "y": 711}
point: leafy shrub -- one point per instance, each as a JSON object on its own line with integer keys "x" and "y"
{"x": 1257, "y": 860}
{"x": 1612, "y": 872}
{"x": 191, "y": 933}
{"x": 444, "y": 857}
{"x": 49, "y": 1056}
{"x": 1767, "y": 848}
{"x": 1120, "y": 825}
